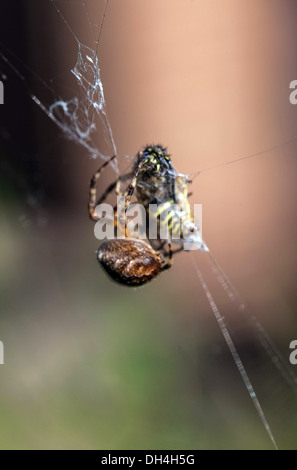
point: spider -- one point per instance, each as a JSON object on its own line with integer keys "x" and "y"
{"x": 132, "y": 261}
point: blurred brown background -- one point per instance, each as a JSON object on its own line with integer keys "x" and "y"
{"x": 88, "y": 363}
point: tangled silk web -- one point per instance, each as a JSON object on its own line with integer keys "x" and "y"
{"x": 77, "y": 117}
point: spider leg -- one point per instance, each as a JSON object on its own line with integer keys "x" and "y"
{"x": 116, "y": 186}
{"x": 110, "y": 188}
{"x": 130, "y": 190}
{"x": 178, "y": 250}
{"x": 93, "y": 192}
{"x": 128, "y": 195}
{"x": 119, "y": 181}
{"x": 157, "y": 245}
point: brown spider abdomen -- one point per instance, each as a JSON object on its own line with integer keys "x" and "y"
{"x": 129, "y": 261}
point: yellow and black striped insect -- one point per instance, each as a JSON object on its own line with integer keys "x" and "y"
{"x": 155, "y": 182}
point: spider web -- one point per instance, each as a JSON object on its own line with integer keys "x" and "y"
{"x": 84, "y": 115}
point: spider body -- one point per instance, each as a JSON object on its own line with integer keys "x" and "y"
{"x": 155, "y": 181}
